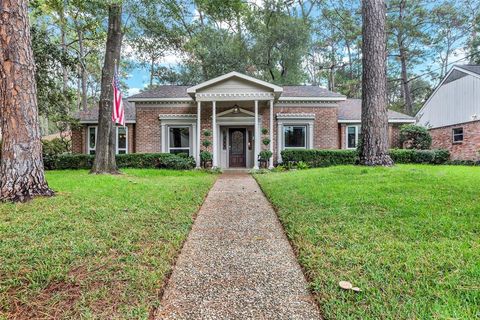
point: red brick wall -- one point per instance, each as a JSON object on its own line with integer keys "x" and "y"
{"x": 79, "y": 139}
{"x": 393, "y": 135}
{"x": 325, "y": 127}
{"x": 467, "y": 150}
{"x": 148, "y": 129}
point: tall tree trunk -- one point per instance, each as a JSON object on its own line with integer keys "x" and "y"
{"x": 105, "y": 149}
{"x": 152, "y": 69}
{"x": 64, "y": 49}
{"x": 374, "y": 148}
{"x": 21, "y": 164}
{"x": 407, "y": 94}
{"x": 83, "y": 70}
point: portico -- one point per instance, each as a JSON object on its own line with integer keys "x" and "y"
{"x": 236, "y": 94}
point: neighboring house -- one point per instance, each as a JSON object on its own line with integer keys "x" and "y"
{"x": 236, "y": 108}
{"x": 452, "y": 113}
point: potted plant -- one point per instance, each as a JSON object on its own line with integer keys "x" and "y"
{"x": 265, "y": 156}
{"x": 206, "y": 158}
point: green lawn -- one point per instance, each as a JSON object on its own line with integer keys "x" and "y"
{"x": 101, "y": 248}
{"x": 408, "y": 236}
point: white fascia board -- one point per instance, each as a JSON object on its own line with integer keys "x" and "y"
{"x": 312, "y": 98}
{"x": 160, "y": 100}
{"x": 194, "y": 89}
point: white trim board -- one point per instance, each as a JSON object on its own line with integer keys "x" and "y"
{"x": 275, "y": 88}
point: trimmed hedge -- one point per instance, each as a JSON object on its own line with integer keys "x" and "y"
{"x": 323, "y": 158}
{"x": 320, "y": 158}
{"x": 438, "y": 156}
{"x": 134, "y": 160}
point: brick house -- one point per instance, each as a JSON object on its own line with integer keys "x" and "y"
{"x": 235, "y": 109}
{"x": 452, "y": 113}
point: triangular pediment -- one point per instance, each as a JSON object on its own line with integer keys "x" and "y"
{"x": 234, "y": 83}
{"x": 236, "y": 112}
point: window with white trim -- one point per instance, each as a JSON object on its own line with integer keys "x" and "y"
{"x": 91, "y": 139}
{"x": 353, "y": 136}
{"x": 122, "y": 140}
{"x": 457, "y": 135}
{"x": 295, "y": 137}
{"x": 179, "y": 140}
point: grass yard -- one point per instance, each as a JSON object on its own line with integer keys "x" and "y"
{"x": 408, "y": 236}
{"x": 101, "y": 248}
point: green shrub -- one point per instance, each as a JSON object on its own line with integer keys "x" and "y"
{"x": 74, "y": 161}
{"x": 265, "y": 154}
{"x": 133, "y": 160}
{"x": 415, "y": 137}
{"x": 323, "y": 158}
{"x": 302, "y": 165}
{"x": 463, "y": 163}
{"x": 266, "y": 141}
{"x": 320, "y": 158}
{"x": 279, "y": 168}
{"x": 438, "y": 156}
{"x": 206, "y": 156}
{"x": 52, "y": 149}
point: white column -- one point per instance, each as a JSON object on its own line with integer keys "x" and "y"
{"x": 214, "y": 135}
{"x": 164, "y": 139}
{"x": 310, "y": 136}
{"x": 271, "y": 134}
{"x": 279, "y": 141}
{"x": 257, "y": 139}
{"x": 199, "y": 134}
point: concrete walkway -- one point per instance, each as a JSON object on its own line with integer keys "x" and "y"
{"x": 237, "y": 262}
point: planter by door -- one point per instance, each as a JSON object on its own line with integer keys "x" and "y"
{"x": 237, "y": 154}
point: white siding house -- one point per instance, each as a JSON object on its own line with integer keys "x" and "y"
{"x": 452, "y": 113}
{"x": 455, "y": 100}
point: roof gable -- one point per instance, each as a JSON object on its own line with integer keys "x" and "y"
{"x": 229, "y": 80}
{"x": 455, "y": 73}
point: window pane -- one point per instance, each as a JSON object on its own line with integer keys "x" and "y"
{"x": 122, "y": 138}
{"x": 351, "y": 143}
{"x": 294, "y": 137}
{"x": 179, "y": 138}
{"x": 457, "y": 134}
{"x": 92, "y": 137}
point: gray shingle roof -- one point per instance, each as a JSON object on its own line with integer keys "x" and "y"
{"x": 162, "y": 92}
{"x": 470, "y": 67}
{"x": 170, "y": 91}
{"x": 307, "y": 91}
{"x": 351, "y": 109}
{"x": 92, "y": 114}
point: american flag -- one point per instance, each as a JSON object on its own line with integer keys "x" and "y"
{"x": 118, "y": 114}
